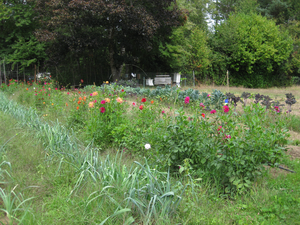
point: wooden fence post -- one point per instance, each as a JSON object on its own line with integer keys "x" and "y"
{"x": 34, "y": 73}
{"x": 0, "y": 74}
{"x": 5, "y": 81}
{"x": 17, "y": 72}
{"x": 194, "y": 78}
{"x": 227, "y": 81}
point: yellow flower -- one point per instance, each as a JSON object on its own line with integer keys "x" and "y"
{"x": 91, "y": 105}
{"x": 44, "y": 103}
{"x": 95, "y": 93}
{"x": 107, "y": 100}
{"x": 107, "y": 82}
{"x": 52, "y": 104}
{"x": 119, "y": 100}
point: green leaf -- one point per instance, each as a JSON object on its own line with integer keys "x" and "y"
{"x": 115, "y": 214}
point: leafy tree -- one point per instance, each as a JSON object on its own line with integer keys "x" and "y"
{"x": 255, "y": 49}
{"x": 286, "y": 14}
{"x": 187, "y": 53}
{"x": 196, "y": 12}
{"x": 293, "y": 66}
{"x": 198, "y": 57}
{"x": 17, "y": 41}
{"x": 275, "y": 9}
{"x": 187, "y": 48}
{"x": 224, "y": 8}
{"x": 120, "y": 28}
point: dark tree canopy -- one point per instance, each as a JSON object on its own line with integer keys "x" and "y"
{"x": 123, "y": 28}
{"x": 282, "y": 11}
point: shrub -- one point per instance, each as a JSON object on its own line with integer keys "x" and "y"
{"x": 230, "y": 148}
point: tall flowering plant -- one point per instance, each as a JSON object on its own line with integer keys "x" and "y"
{"x": 106, "y": 112}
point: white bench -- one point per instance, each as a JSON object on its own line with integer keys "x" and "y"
{"x": 162, "y": 80}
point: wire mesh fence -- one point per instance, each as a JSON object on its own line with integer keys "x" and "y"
{"x": 7, "y": 75}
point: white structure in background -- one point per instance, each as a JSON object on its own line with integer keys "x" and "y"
{"x": 149, "y": 82}
{"x": 44, "y": 75}
{"x": 176, "y": 79}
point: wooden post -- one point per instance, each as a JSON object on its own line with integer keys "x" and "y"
{"x": 227, "y": 81}
{"x": 0, "y": 75}
{"x": 24, "y": 72}
{"x": 34, "y": 73}
{"x": 4, "y": 71}
{"x": 193, "y": 78}
{"x": 17, "y": 72}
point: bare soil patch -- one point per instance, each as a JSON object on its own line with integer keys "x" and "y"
{"x": 293, "y": 151}
{"x": 275, "y": 172}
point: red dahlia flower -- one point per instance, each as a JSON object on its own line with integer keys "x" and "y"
{"x": 226, "y": 108}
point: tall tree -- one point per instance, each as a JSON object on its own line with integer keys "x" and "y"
{"x": 286, "y": 14}
{"x": 221, "y": 9}
{"x": 122, "y": 27}
{"x": 275, "y": 9}
{"x": 17, "y": 41}
{"x": 187, "y": 50}
{"x": 282, "y": 11}
{"x": 255, "y": 48}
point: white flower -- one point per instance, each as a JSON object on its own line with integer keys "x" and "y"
{"x": 147, "y": 146}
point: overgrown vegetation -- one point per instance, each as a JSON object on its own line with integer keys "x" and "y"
{"x": 149, "y": 160}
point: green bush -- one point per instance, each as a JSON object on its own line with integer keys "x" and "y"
{"x": 255, "y": 50}
{"x": 230, "y": 148}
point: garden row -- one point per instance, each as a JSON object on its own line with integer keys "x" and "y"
{"x": 185, "y": 131}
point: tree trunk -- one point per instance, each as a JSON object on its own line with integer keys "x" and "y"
{"x": 115, "y": 69}
{"x": 5, "y": 81}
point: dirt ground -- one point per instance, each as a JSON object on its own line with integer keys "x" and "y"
{"x": 293, "y": 151}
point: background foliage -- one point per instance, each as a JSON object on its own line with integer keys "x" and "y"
{"x": 255, "y": 40}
